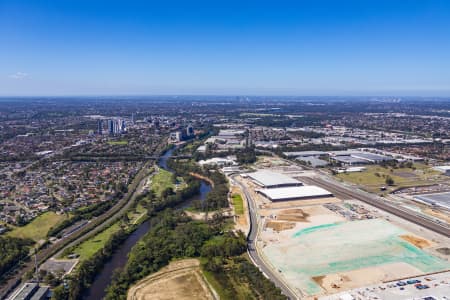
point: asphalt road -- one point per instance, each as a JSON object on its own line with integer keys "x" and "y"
{"x": 251, "y": 240}
{"x": 343, "y": 192}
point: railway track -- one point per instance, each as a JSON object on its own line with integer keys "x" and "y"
{"x": 90, "y": 229}
{"x": 344, "y": 192}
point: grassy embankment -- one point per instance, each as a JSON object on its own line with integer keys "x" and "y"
{"x": 238, "y": 204}
{"x": 118, "y": 143}
{"x": 163, "y": 180}
{"x": 90, "y": 246}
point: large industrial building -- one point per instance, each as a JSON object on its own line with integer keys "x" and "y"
{"x": 313, "y": 161}
{"x": 437, "y": 199}
{"x": 31, "y": 291}
{"x": 444, "y": 169}
{"x": 294, "y": 193}
{"x": 351, "y": 157}
{"x": 304, "y": 153}
{"x": 269, "y": 179}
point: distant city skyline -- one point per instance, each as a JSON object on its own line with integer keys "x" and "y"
{"x": 323, "y": 48}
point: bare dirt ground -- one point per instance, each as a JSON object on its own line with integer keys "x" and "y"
{"x": 417, "y": 241}
{"x": 444, "y": 250}
{"x": 180, "y": 280}
{"x": 280, "y": 226}
{"x": 437, "y": 214}
{"x": 294, "y": 214}
{"x": 334, "y": 283}
{"x": 289, "y": 204}
{"x": 198, "y": 215}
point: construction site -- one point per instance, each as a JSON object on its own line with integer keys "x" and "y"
{"x": 320, "y": 244}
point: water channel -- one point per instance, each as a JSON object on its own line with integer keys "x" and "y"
{"x": 120, "y": 256}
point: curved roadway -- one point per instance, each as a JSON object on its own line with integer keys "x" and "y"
{"x": 340, "y": 191}
{"x": 252, "y": 250}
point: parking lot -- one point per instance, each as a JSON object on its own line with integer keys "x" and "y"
{"x": 427, "y": 287}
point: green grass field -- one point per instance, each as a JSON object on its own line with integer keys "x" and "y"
{"x": 38, "y": 228}
{"x": 89, "y": 247}
{"x": 374, "y": 177}
{"x": 238, "y": 204}
{"x": 118, "y": 143}
{"x": 162, "y": 181}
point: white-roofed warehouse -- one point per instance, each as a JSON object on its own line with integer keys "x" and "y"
{"x": 269, "y": 179}
{"x": 295, "y": 193}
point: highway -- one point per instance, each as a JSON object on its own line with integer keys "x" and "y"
{"x": 341, "y": 191}
{"x": 252, "y": 251}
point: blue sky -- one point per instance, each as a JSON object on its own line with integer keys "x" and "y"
{"x": 315, "y": 47}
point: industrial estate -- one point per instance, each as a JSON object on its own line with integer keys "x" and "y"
{"x": 225, "y": 150}
{"x": 180, "y": 199}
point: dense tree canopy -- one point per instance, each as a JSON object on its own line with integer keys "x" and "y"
{"x": 12, "y": 250}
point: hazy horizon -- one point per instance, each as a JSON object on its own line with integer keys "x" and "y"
{"x": 326, "y": 47}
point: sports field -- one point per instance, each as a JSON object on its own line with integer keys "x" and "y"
{"x": 332, "y": 253}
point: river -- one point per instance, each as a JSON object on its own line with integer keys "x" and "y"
{"x": 120, "y": 256}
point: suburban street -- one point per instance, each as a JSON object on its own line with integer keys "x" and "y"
{"x": 96, "y": 225}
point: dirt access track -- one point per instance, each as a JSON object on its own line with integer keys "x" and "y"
{"x": 180, "y": 280}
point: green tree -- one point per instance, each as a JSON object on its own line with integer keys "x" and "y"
{"x": 389, "y": 180}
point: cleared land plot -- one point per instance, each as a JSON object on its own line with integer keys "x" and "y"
{"x": 180, "y": 280}
{"x": 303, "y": 217}
{"x": 375, "y": 176}
{"x": 322, "y": 249}
{"x": 280, "y": 226}
{"x": 438, "y": 214}
{"x": 59, "y": 265}
{"x": 417, "y": 241}
{"x": 38, "y": 228}
{"x": 293, "y": 214}
{"x": 334, "y": 283}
